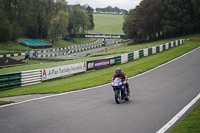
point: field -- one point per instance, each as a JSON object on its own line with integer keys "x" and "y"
{"x": 108, "y": 24}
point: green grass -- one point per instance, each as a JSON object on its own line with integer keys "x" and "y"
{"x": 131, "y": 48}
{"x": 91, "y": 79}
{"x": 15, "y": 47}
{"x": 5, "y": 102}
{"x": 108, "y": 24}
{"x": 191, "y": 124}
{"x": 62, "y": 43}
{"x": 11, "y": 47}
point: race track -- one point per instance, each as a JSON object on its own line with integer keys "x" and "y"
{"x": 156, "y": 97}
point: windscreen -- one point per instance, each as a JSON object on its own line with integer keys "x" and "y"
{"x": 117, "y": 79}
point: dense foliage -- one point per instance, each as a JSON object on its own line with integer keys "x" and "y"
{"x": 42, "y": 19}
{"x": 156, "y": 19}
{"x": 110, "y": 9}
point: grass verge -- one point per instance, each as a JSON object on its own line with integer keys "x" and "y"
{"x": 5, "y": 102}
{"x": 94, "y": 78}
{"x": 191, "y": 124}
{"x": 14, "y": 46}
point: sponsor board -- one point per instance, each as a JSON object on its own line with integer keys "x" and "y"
{"x": 112, "y": 61}
{"x": 55, "y": 72}
{"x": 103, "y": 63}
{"x": 90, "y": 65}
{"x": 106, "y": 36}
{"x": 99, "y": 64}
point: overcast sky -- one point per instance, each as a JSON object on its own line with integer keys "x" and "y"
{"x": 122, "y": 4}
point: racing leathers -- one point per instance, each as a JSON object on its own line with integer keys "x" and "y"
{"x": 122, "y": 75}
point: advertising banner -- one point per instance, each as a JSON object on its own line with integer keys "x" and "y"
{"x": 107, "y": 36}
{"x": 112, "y": 61}
{"x": 55, "y": 72}
{"x": 90, "y": 65}
{"x": 103, "y": 63}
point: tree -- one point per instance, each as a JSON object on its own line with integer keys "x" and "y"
{"x": 177, "y": 18}
{"x": 90, "y": 11}
{"x": 79, "y": 21}
{"x": 155, "y": 19}
{"x": 129, "y": 27}
{"x": 5, "y": 28}
{"x": 59, "y": 25}
{"x": 196, "y": 5}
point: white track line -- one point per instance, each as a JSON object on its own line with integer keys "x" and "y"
{"x": 176, "y": 117}
{"x": 7, "y": 105}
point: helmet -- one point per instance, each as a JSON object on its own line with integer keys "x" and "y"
{"x": 118, "y": 71}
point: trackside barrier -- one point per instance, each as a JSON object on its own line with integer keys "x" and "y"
{"x": 10, "y": 55}
{"x": 10, "y": 80}
{"x": 67, "y": 50}
{"x": 130, "y": 57}
{"x": 136, "y": 55}
{"x": 31, "y": 77}
{"x": 60, "y": 71}
{"x": 103, "y": 63}
{"x": 124, "y": 58}
{"x": 117, "y": 60}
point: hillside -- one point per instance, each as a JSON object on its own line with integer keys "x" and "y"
{"x": 108, "y": 24}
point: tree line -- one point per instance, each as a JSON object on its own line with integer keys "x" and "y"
{"x": 111, "y": 9}
{"x": 42, "y": 19}
{"x": 155, "y": 19}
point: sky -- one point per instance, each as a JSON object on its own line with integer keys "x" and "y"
{"x": 122, "y": 4}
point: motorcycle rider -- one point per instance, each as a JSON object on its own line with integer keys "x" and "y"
{"x": 122, "y": 75}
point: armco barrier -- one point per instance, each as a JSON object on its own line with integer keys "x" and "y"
{"x": 10, "y": 80}
{"x": 31, "y": 77}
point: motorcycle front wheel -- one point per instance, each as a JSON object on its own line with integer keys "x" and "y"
{"x": 117, "y": 97}
{"x": 127, "y": 97}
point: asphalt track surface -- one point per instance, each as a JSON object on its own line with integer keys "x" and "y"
{"x": 156, "y": 97}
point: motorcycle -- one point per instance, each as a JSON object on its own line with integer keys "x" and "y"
{"x": 120, "y": 89}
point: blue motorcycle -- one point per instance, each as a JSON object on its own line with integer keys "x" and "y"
{"x": 120, "y": 90}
